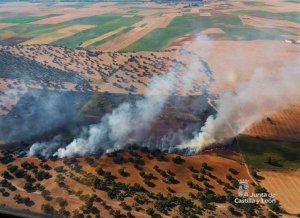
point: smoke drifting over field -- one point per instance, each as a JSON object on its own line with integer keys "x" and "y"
{"x": 128, "y": 122}
{"x": 263, "y": 94}
{"x": 237, "y": 110}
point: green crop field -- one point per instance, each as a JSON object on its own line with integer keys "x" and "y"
{"x": 28, "y": 31}
{"x": 79, "y": 38}
{"x": 93, "y": 20}
{"x": 25, "y": 30}
{"x": 159, "y": 38}
{"x": 194, "y": 23}
{"x": 258, "y": 153}
{"x": 103, "y": 24}
{"x": 22, "y": 19}
{"x": 109, "y": 38}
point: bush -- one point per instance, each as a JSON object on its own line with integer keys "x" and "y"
{"x": 272, "y": 215}
{"x": 47, "y": 208}
{"x": 233, "y": 171}
{"x": 90, "y": 161}
{"x": 12, "y": 168}
{"x": 206, "y": 167}
{"x": 150, "y": 211}
{"x": 123, "y": 173}
{"x": 234, "y": 212}
{"x": 29, "y": 187}
{"x": 259, "y": 189}
{"x": 6, "y": 175}
{"x": 62, "y": 202}
{"x": 178, "y": 160}
{"x": 60, "y": 169}
{"x": 46, "y": 194}
{"x": 229, "y": 177}
{"x": 192, "y": 169}
{"x": 20, "y": 173}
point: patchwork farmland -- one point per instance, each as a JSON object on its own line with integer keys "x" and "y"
{"x": 137, "y": 28}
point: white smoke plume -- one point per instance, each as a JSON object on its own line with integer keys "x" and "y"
{"x": 45, "y": 149}
{"x": 125, "y": 124}
{"x": 263, "y": 94}
{"x": 128, "y": 122}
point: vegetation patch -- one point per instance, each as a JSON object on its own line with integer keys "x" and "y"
{"x": 194, "y": 23}
{"x": 21, "y": 20}
{"x": 266, "y": 154}
{"x": 109, "y": 38}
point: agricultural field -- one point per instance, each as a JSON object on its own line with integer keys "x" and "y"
{"x": 142, "y": 28}
{"x": 286, "y": 187}
{"x": 270, "y": 155}
{"x": 149, "y": 109}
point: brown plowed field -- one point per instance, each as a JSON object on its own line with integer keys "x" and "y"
{"x": 282, "y": 125}
{"x": 286, "y": 187}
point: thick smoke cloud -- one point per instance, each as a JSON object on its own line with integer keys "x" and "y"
{"x": 39, "y": 112}
{"x": 129, "y": 122}
{"x": 45, "y": 148}
{"x": 237, "y": 110}
{"x": 125, "y": 124}
{"x": 263, "y": 94}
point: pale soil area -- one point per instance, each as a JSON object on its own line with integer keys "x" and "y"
{"x": 57, "y": 35}
{"x": 4, "y": 25}
{"x": 180, "y": 41}
{"x": 282, "y": 125}
{"x": 285, "y": 186}
{"x": 213, "y": 31}
{"x": 270, "y": 23}
{"x": 205, "y": 14}
{"x": 68, "y": 14}
{"x": 24, "y": 8}
{"x": 275, "y": 6}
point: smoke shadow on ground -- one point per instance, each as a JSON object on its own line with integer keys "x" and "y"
{"x": 41, "y": 111}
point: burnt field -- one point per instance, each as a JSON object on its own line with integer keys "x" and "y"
{"x": 41, "y": 114}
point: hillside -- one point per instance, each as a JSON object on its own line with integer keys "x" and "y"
{"x": 136, "y": 183}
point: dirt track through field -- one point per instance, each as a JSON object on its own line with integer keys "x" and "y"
{"x": 286, "y": 187}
